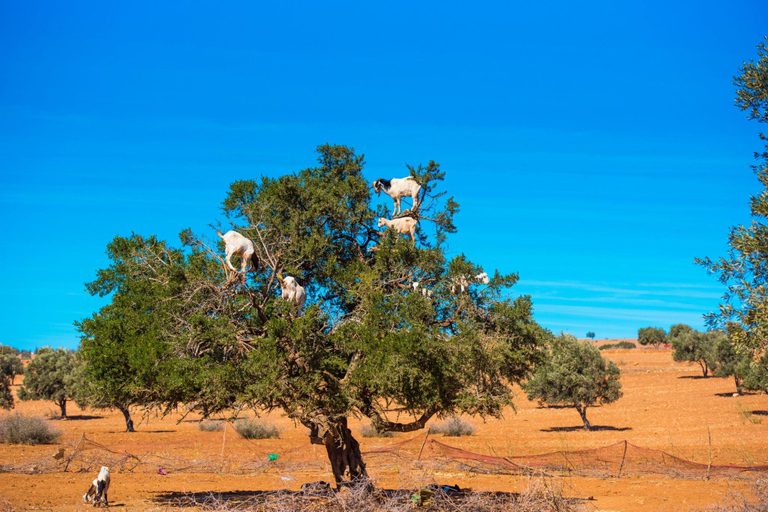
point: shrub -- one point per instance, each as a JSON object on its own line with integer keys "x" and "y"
{"x": 211, "y": 425}
{"x": 453, "y": 427}
{"x": 621, "y": 344}
{"x": 370, "y": 431}
{"x": 19, "y": 429}
{"x": 252, "y": 429}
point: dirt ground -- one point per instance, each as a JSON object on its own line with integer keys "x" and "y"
{"x": 666, "y": 406}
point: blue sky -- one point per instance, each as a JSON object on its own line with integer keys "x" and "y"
{"x": 594, "y": 147}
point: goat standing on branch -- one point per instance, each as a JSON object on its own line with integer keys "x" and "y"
{"x": 403, "y": 225}
{"x": 397, "y": 188}
{"x": 292, "y": 291}
{"x": 235, "y": 243}
{"x": 462, "y": 283}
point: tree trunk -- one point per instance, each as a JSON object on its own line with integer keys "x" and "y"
{"x": 704, "y": 368}
{"x": 128, "y": 420}
{"x": 583, "y": 413}
{"x": 63, "y": 407}
{"x": 738, "y": 384}
{"x": 344, "y": 454}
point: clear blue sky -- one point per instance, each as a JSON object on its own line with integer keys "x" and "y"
{"x": 593, "y": 146}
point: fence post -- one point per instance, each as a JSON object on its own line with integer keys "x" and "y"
{"x": 624, "y": 456}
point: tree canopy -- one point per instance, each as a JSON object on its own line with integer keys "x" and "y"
{"x": 697, "y": 347}
{"x": 651, "y": 336}
{"x": 743, "y": 314}
{"x": 369, "y": 343}
{"x": 576, "y": 374}
{"x": 50, "y": 376}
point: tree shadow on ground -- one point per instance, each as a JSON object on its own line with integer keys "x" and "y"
{"x": 329, "y": 499}
{"x": 734, "y": 394}
{"x": 581, "y": 427}
{"x": 760, "y": 413}
{"x": 81, "y": 417}
{"x": 695, "y": 377}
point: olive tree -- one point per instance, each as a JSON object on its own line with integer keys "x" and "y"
{"x": 651, "y": 336}
{"x": 49, "y": 376}
{"x": 574, "y": 373}
{"x": 697, "y": 347}
{"x": 743, "y": 314}
{"x": 367, "y": 344}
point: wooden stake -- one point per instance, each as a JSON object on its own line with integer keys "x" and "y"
{"x": 709, "y": 465}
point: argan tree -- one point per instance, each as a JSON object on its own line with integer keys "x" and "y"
{"x": 121, "y": 344}
{"x": 50, "y": 376}
{"x": 651, "y": 336}
{"x": 574, "y": 373}
{"x": 366, "y": 344}
{"x": 743, "y": 314}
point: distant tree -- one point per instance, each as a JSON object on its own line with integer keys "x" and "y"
{"x": 5, "y": 349}
{"x": 693, "y": 346}
{"x": 743, "y": 313}
{"x": 49, "y": 376}
{"x": 731, "y": 362}
{"x": 574, "y": 373}
{"x": 756, "y": 375}
{"x": 25, "y": 355}
{"x": 10, "y": 364}
{"x": 591, "y": 335}
{"x": 6, "y": 378}
{"x": 651, "y": 336}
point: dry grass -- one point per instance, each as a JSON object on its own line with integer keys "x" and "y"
{"x": 540, "y": 496}
{"x": 739, "y": 502}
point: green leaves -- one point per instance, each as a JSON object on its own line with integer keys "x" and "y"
{"x": 368, "y": 340}
{"x": 574, "y": 373}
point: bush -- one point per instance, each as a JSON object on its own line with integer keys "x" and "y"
{"x": 453, "y": 427}
{"x": 370, "y": 431}
{"x": 251, "y": 429}
{"x": 19, "y": 429}
{"x": 211, "y": 426}
{"x": 621, "y": 344}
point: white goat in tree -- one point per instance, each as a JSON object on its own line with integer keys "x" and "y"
{"x": 292, "y": 291}
{"x": 98, "y": 490}
{"x": 462, "y": 283}
{"x": 403, "y": 225}
{"x": 235, "y": 243}
{"x": 424, "y": 291}
{"x": 397, "y": 188}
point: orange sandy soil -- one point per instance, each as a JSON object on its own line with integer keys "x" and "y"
{"x": 666, "y": 406}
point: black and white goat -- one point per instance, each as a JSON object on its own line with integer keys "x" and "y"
{"x": 292, "y": 291}
{"x": 403, "y": 225}
{"x": 235, "y": 243}
{"x": 397, "y": 188}
{"x": 97, "y": 493}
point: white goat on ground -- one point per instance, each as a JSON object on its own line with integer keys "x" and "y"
{"x": 235, "y": 243}
{"x": 98, "y": 490}
{"x": 403, "y": 225}
{"x": 397, "y": 188}
{"x": 462, "y": 283}
{"x": 292, "y": 291}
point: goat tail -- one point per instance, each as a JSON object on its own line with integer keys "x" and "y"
{"x": 219, "y": 233}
